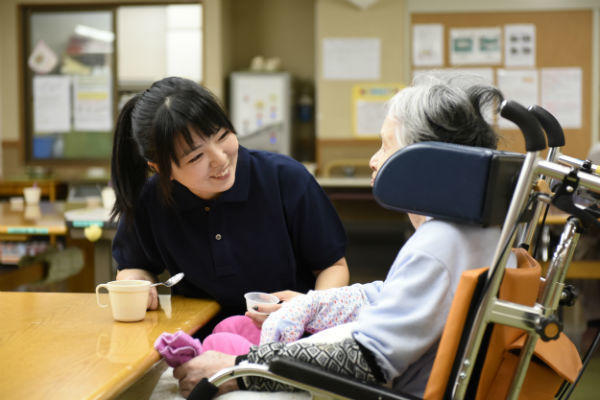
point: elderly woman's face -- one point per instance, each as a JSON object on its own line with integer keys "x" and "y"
{"x": 389, "y": 145}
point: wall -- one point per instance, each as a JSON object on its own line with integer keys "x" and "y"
{"x": 338, "y": 19}
{"x": 282, "y": 28}
{"x": 436, "y": 6}
{"x": 390, "y": 21}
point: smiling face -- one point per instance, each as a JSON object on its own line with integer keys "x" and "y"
{"x": 207, "y": 168}
{"x": 389, "y": 145}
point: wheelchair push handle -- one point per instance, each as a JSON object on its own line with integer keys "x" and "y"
{"x": 532, "y": 133}
{"x": 554, "y": 132}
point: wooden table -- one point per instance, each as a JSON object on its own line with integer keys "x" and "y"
{"x": 63, "y": 346}
{"x": 14, "y": 187}
{"x": 40, "y": 219}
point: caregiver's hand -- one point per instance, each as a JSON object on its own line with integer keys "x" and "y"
{"x": 260, "y": 314}
{"x": 204, "y": 366}
{"x": 140, "y": 274}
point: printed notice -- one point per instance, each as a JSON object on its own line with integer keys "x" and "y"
{"x": 561, "y": 95}
{"x": 520, "y": 86}
{"x": 369, "y": 106}
{"x": 428, "y": 45}
{"x": 519, "y": 45}
{"x": 351, "y": 58}
{"x": 475, "y": 46}
{"x": 92, "y": 102}
{"x": 51, "y": 104}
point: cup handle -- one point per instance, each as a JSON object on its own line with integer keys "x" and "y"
{"x": 100, "y": 286}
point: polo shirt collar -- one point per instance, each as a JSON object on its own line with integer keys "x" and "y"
{"x": 237, "y": 193}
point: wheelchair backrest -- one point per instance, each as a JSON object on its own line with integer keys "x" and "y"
{"x": 449, "y": 181}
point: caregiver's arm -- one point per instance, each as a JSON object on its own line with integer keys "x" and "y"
{"x": 336, "y": 275}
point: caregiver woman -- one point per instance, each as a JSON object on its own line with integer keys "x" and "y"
{"x": 191, "y": 199}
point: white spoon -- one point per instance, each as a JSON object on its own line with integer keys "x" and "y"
{"x": 171, "y": 281}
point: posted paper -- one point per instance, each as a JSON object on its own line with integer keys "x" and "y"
{"x": 475, "y": 46}
{"x": 518, "y": 85}
{"x": 428, "y": 45}
{"x": 351, "y": 58}
{"x": 519, "y": 45}
{"x": 51, "y": 104}
{"x": 92, "y": 102}
{"x": 561, "y": 95}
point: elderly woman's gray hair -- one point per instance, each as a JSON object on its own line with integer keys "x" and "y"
{"x": 446, "y": 107}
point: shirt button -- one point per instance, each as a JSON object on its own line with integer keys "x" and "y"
{"x": 207, "y": 208}
{"x": 218, "y": 236}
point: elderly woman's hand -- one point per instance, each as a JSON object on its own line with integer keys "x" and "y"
{"x": 260, "y": 314}
{"x": 313, "y": 312}
{"x": 204, "y": 366}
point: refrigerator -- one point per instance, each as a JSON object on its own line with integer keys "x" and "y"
{"x": 260, "y": 105}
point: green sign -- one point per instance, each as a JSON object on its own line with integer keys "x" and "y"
{"x": 27, "y": 231}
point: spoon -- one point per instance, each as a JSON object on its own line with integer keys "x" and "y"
{"x": 171, "y": 281}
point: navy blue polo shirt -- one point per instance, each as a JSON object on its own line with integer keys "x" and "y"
{"x": 269, "y": 232}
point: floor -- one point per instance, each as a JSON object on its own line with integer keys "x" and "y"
{"x": 589, "y": 386}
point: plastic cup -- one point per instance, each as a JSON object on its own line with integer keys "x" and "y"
{"x": 32, "y": 194}
{"x": 259, "y": 299}
{"x": 128, "y": 299}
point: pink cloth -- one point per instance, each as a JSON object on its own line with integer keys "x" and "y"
{"x": 240, "y": 325}
{"x": 228, "y": 343}
{"x": 233, "y": 335}
{"x": 177, "y": 348}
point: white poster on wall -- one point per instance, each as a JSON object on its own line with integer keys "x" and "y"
{"x": 475, "y": 46}
{"x": 92, "y": 99}
{"x": 519, "y": 85}
{"x": 369, "y": 117}
{"x": 51, "y": 104}
{"x": 519, "y": 45}
{"x": 428, "y": 45}
{"x": 561, "y": 95}
{"x": 351, "y": 58}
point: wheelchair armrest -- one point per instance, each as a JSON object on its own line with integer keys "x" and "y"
{"x": 309, "y": 374}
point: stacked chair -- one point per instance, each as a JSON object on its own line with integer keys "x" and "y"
{"x": 503, "y": 337}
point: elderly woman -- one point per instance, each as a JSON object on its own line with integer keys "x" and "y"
{"x": 397, "y": 323}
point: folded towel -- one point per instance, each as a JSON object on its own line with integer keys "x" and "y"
{"x": 177, "y": 348}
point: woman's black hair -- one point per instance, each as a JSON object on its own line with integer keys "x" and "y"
{"x": 146, "y": 130}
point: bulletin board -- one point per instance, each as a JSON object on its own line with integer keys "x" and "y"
{"x": 563, "y": 40}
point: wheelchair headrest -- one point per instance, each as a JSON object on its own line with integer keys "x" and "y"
{"x": 448, "y": 181}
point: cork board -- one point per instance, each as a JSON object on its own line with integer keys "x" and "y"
{"x": 563, "y": 39}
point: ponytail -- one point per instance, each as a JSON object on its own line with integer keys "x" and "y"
{"x": 128, "y": 167}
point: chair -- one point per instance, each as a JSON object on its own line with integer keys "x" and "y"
{"x": 489, "y": 347}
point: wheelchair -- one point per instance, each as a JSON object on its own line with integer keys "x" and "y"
{"x": 503, "y": 337}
